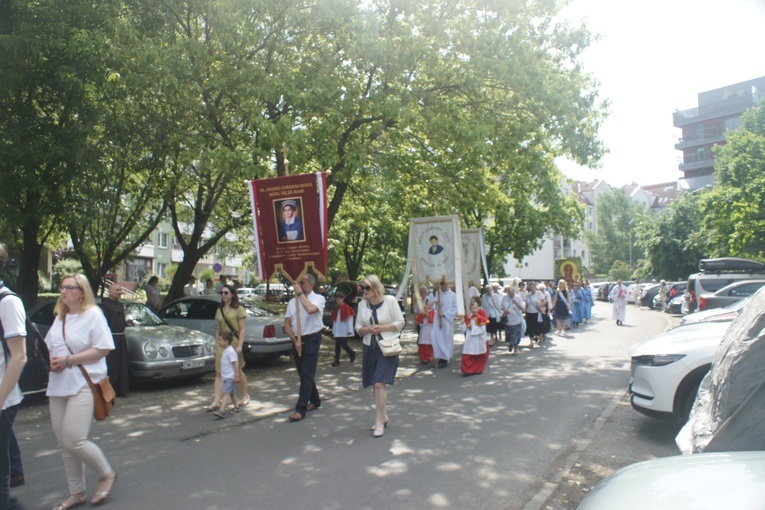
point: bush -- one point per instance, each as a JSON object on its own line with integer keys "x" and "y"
{"x": 62, "y": 268}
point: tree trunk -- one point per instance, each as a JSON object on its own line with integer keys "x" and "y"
{"x": 182, "y": 274}
{"x": 28, "y": 280}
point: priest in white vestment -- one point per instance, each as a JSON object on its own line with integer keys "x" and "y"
{"x": 443, "y": 334}
{"x": 618, "y": 295}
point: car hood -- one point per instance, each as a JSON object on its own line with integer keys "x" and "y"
{"x": 703, "y": 481}
{"x": 166, "y": 334}
{"x": 682, "y": 339}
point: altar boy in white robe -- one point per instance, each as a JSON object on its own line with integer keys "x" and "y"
{"x": 443, "y": 334}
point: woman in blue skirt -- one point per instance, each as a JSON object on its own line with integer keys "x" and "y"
{"x": 378, "y": 313}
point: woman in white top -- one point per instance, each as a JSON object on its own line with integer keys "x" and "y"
{"x": 78, "y": 336}
{"x": 378, "y": 314}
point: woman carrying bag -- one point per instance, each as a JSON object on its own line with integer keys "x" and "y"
{"x": 378, "y": 316}
{"x": 79, "y": 336}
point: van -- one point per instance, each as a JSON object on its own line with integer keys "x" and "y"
{"x": 714, "y": 274}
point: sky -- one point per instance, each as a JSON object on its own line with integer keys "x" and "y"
{"x": 653, "y": 58}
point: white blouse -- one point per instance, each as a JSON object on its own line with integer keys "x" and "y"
{"x": 388, "y": 313}
{"x": 84, "y": 330}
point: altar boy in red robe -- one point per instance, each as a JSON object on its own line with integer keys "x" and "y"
{"x": 342, "y": 328}
{"x": 425, "y": 337}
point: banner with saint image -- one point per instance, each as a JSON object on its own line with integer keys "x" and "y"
{"x": 290, "y": 221}
{"x": 435, "y": 253}
{"x": 473, "y": 260}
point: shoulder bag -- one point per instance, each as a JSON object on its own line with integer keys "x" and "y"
{"x": 103, "y": 393}
{"x": 388, "y": 341}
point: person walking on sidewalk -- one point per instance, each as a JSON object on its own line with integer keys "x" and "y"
{"x": 619, "y": 296}
{"x": 379, "y": 315}
{"x": 513, "y": 308}
{"x": 342, "y": 328}
{"x": 304, "y": 316}
{"x": 79, "y": 336}
{"x": 229, "y": 372}
{"x": 14, "y": 330}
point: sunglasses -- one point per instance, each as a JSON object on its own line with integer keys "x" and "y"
{"x": 366, "y": 287}
{"x": 68, "y": 287}
{"x": 225, "y": 292}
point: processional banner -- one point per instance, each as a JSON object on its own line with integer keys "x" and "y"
{"x": 435, "y": 254}
{"x": 473, "y": 260}
{"x": 290, "y": 221}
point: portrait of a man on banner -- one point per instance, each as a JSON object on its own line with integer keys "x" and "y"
{"x": 291, "y": 225}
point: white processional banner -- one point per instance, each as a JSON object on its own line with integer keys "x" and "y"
{"x": 435, "y": 253}
{"x": 473, "y": 260}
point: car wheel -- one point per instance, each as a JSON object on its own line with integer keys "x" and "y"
{"x": 684, "y": 401}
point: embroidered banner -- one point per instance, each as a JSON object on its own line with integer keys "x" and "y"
{"x": 435, "y": 253}
{"x": 290, "y": 221}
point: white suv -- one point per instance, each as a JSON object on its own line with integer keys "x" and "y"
{"x": 716, "y": 274}
{"x": 667, "y": 369}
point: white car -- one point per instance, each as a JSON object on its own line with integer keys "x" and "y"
{"x": 726, "y": 313}
{"x": 264, "y": 335}
{"x": 703, "y": 481}
{"x": 667, "y": 369}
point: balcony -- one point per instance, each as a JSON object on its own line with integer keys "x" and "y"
{"x": 731, "y": 106}
{"x": 709, "y": 136}
{"x": 698, "y": 164}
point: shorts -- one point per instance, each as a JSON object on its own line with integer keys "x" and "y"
{"x": 228, "y": 386}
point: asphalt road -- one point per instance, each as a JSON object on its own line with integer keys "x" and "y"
{"x": 534, "y": 431}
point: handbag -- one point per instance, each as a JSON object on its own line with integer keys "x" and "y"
{"x": 103, "y": 393}
{"x": 103, "y": 396}
{"x": 390, "y": 346}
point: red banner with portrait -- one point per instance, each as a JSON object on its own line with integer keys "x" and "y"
{"x": 290, "y": 220}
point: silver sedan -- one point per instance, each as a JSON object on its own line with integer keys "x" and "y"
{"x": 156, "y": 350}
{"x": 264, "y": 335}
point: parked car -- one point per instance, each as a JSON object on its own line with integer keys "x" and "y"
{"x": 725, "y": 313}
{"x": 730, "y": 294}
{"x": 667, "y": 369}
{"x": 674, "y": 289}
{"x": 156, "y": 350}
{"x": 648, "y": 293}
{"x": 717, "y": 273}
{"x": 675, "y": 304}
{"x": 703, "y": 481}
{"x": 249, "y": 293}
{"x": 264, "y": 334}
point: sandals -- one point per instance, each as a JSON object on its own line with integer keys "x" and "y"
{"x": 244, "y": 400}
{"x": 72, "y": 502}
{"x": 233, "y": 411}
{"x": 213, "y": 407}
{"x": 104, "y": 489}
{"x": 219, "y": 414}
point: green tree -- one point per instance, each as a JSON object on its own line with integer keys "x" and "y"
{"x": 734, "y": 214}
{"x": 618, "y": 218}
{"x": 673, "y": 240}
{"x": 52, "y": 55}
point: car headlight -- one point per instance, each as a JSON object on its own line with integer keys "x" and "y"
{"x": 163, "y": 351}
{"x": 209, "y": 345}
{"x": 658, "y": 360}
{"x": 150, "y": 350}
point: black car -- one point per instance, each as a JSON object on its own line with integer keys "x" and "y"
{"x": 646, "y": 297}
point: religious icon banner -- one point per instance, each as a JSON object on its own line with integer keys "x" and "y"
{"x": 435, "y": 253}
{"x": 290, "y": 221}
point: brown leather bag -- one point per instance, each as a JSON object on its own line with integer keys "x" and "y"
{"x": 103, "y": 396}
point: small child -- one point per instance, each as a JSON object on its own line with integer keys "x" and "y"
{"x": 425, "y": 336}
{"x": 342, "y": 328}
{"x": 475, "y": 350}
{"x": 229, "y": 371}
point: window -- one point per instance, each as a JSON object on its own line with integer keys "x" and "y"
{"x": 584, "y": 256}
{"x": 161, "y": 269}
{"x": 700, "y": 154}
{"x": 162, "y": 240}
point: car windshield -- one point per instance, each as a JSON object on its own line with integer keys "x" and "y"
{"x": 137, "y": 314}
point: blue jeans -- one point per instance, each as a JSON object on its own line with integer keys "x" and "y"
{"x": 306, "y": 369}
{"x": 6, "y": 501}
{"x": 17, "y": 468}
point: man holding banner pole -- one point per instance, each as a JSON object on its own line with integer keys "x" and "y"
{"x": 303, "y": 324}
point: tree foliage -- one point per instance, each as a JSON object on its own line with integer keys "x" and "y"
{"x": 618, "y": 218}
{"x": 734, "y": 214}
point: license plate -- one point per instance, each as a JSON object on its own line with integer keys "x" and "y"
{"x": 195, "y": 363}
